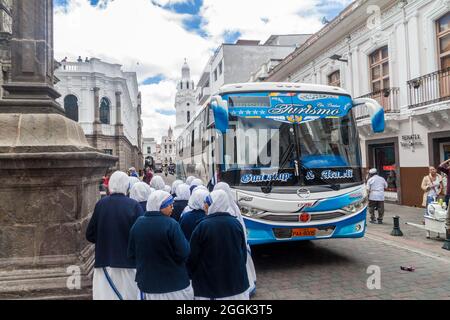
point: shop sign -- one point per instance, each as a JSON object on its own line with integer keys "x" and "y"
{"x": 411, "y": 140}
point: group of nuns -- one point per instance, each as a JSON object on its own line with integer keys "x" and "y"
{"x": 156, "y": 242}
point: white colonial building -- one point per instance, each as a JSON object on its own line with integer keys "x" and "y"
{"x": 149, "y": 150}
{"x": 185, "y": 104}
{"x": 106, "y": 102}
{"x": 168, "y": 151}
{"x": 397, "y": 52}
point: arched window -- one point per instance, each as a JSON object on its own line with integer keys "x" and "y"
{"x": 71, "y": 107}
{"x": 188, "y": 116}
{"x": 105, "y": 107}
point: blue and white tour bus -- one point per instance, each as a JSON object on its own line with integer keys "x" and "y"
{"x": 291, "y": 154}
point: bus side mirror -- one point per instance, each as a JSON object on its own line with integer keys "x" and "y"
{"x": 376, "y": 113}
{"x": 220, "y": 109}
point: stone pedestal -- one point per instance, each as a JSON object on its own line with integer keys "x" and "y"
{"x": 49, "y": 175}
{"x": 49, "y": 178}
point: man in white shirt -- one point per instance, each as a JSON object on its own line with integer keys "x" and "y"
{"x": 375, "y": 187}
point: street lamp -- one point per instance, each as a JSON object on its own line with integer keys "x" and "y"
{"x": 338, "y": 57}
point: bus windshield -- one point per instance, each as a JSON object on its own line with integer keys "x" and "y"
{"x": 264, "y": 151}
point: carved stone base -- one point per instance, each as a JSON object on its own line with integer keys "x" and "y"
{"x": 49, "y": 178}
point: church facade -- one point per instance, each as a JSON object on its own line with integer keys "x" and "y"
{"x": 106, "y": 102}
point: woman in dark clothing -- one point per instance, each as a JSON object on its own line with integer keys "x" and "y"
{"x": 140, "y": 192}
{"x": 191, "y": 218}
{"x": 217, "y": 263}
{"x": 160, "y": 251}
{"x": 181, "y": 201}
{"x": 109, "y": 229}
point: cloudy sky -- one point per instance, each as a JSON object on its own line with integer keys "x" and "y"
{"x": 153, "y": 37}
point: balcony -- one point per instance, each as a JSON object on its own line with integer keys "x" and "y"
{"x": 428, "y": 89}
{"x": 204, "y": 95}
{"x": 388, "y": 98}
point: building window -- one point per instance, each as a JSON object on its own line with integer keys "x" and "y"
{"x": 220, "y": 67}
{"x": 334, "y": 79}
{"x": 379, "y": 69}
{"x": 187, "y": 85}
{"x": 149, "y": 150}
{"x": 105, "y": 108}
{"x": 181, "y": 83}
{"x": 215, "y": 75}
{"x": 108, "y": 151}
{"x": 443, "y": 40}
{"x": 71, "y": 107}
{"x": 188, "y": 116}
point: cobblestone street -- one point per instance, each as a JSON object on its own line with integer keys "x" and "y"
{"x": 337, "y": 269}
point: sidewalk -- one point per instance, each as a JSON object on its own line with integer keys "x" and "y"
{"x": 414, "y": 239}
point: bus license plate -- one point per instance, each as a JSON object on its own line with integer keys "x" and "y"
{"x": 304, "y": 232}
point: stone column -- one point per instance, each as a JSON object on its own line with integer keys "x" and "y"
{"x": 49, "y": 175}
{"x": 121, "y": 153}
{"x": 97, "y": 124}
{"x": 118, "y": 108}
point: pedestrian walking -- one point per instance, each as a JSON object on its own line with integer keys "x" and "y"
{"x": 217, "y": 262}
{"x": 148, "y": 176}
{"x": 160, "y": 250}
{"x": 109, "y": 230}
{"x": 192, "y": 217}
{"x": 445, "y": 168}
{"x": 432, "y": 187}
{"x": 141, "y": 192}
{"x": 133, "y": 172}
{"x": 236, "y": 212}
{"x": 181, "y": 201}
{"x": 376, "y": 186}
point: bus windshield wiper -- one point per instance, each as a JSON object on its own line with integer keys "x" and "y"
{"x": 285, "y": 158}
{"x": 335, "y": 187}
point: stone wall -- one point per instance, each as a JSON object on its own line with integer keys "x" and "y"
{"x": 129, "y": 155}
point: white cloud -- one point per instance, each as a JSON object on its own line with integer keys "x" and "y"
{"x": 258, "y": 19}
{"x": 158, "y": 96}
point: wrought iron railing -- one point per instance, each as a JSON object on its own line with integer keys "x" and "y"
{"x": 430, "y": 88}
{"x": 388, "y": 98}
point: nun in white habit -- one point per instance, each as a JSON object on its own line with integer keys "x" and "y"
{"x": 213, "y": 255}
{"x": 175, "y": 184}
{"x": 181, "y": 200}
{"x": 108, "y": 229}
{"x": 133, "y": 181}
{"x": 188, "y": 207}
{"x": 235, "y": 211}
{"x": 157, "y": 183}
{"x": 140, "y": 192}
{"x": 160, "y": 250}
{"x": 189, "y": 180}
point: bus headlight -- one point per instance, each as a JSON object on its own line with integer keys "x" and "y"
{"x": 356, "y": 206}
{"x": 249, "y": 212}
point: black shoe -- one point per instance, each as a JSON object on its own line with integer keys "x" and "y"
{"x": 373, "y": 221}
{"x": 380, "y": 221}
